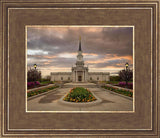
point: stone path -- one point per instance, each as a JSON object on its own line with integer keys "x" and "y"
{"x": 110, "y": 100}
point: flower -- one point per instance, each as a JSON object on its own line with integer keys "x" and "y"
{"x": 30, "y": 84}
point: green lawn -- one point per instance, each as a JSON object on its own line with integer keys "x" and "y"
{"x": 47, "y": 82}
{"x": 112, "y": 82}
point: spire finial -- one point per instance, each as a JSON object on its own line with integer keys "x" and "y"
{"x": 80, "y": 43}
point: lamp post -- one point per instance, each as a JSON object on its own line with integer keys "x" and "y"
{"x": 127, "y": 74}
{"x": 35, "y": 66}
{"x": 126, "y": 65}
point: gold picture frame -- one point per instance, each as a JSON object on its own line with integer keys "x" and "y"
{"x": 143, "y": 15}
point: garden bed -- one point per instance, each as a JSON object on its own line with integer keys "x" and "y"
{"x": 124, "y": 85}
{"x": 39, "y": 91}
{"x": 120, "y": 91}
{"x": 79, "y": 94}
{"x": 36, "y": 84}
{"x": 121, "y": 84}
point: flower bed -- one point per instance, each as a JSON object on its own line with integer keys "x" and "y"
{"x": 31, "y": 85}
{"x": 79, "y": 94}
{"x": 35, "y": 92}
{"x": 120, "y": 91}
{"x": 123, "y": 84}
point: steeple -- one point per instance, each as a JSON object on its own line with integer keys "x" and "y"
{"x": 80, "y": 61}
{"x": 80, "y": 43}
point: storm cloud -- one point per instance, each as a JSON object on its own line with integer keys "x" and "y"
{"x": 55, "y": 48}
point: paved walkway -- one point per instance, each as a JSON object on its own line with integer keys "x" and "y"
{"x": 110, "y": 100}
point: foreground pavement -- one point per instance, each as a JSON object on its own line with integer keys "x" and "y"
{"x": 110, "y": 100}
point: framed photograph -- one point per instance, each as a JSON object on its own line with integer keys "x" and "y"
{"x": 79, "y": 68}
{"x": 89, "y": 84}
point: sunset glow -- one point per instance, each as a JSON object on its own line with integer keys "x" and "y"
{"x": 54, "y": 49}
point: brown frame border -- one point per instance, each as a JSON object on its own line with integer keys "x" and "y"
{"x": 4, "y": 75}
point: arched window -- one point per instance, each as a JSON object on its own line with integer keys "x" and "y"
{"x": 68, "y": 78}
{"x": 97, "y": 78}
{"x": 90, "y": 78}
{"x": 61, "y": 78}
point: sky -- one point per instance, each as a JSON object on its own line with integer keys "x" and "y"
{"x": 54, "y": 49}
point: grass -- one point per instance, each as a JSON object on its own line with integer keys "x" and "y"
{"x": 79, "y": 94}
{"x": 47, "y": 82}
{"x": 120, "y": 91}
{"x": 116, "y": 82}
{"x": 36, "y": 92}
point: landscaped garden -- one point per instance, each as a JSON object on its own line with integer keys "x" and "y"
{"x": 79, "y": 94}
{"x": 129, "y": 85}
{"x": 35, "y": 80}
{"x": 123, "y": 84}
{"x": 124, "y": 79}
{"x": 120, "y": 91}
{"x": 35, "y": 84}
{"x": 39, "y": 91}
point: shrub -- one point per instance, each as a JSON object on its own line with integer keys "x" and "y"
{"x": 37, "y": 83}
{"x": 114, "y": 78}
{"x": 46, "y": 78}
{"x": 126, "y": 75}
{"x": 33, "y": 75}
{"x": 32, "y": 84}
{"x": 123, "y": 84}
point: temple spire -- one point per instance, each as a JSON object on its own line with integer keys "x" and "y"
{"x": 80, "y": 43}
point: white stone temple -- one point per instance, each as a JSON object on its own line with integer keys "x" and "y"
{"x": 80, "y": 72}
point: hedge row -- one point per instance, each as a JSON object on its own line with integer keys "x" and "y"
{"x": 35, "y": 92}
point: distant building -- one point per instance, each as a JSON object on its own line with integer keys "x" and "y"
{"x": 80, "y": 72}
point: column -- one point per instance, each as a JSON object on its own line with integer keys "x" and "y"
{"x": 86, "y": 75}
{"x": 82, "y": 76}
{"x": 76, "y": 75}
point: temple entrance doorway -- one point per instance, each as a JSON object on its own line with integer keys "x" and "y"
{"x": 79, "y": 78}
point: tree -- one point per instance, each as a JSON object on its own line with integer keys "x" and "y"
{"x": 114, "y": 78}
{"x": 33, "y": 75}
{"x": 126, "y": 75}
{"x": 48, "y": 77}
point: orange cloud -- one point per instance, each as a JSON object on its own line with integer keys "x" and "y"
{"x": 90, "y": 54}
{"x": 94, "y": 29}
{"x": 110, "y": 57}
{"x": 46, "y": 63}
{"x": 49, "y": 57}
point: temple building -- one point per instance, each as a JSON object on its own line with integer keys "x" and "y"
{"x": 80, "y": 72}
